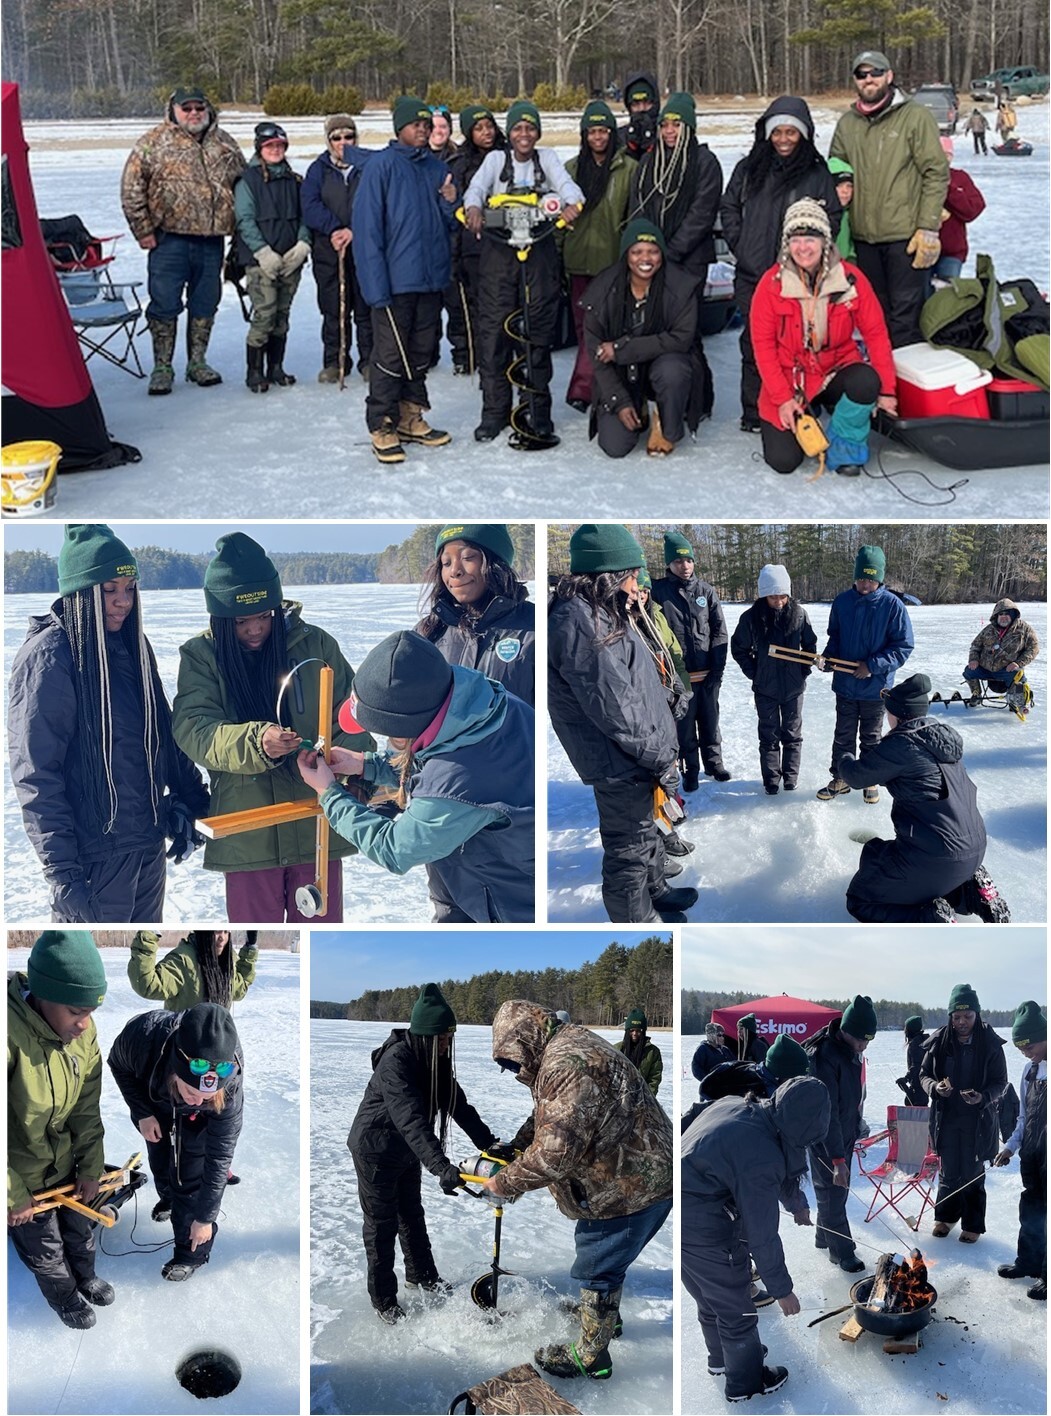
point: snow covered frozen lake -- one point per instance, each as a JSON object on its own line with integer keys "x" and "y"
{"x": 360, "y": 1365}
{"x": 224, "y": 451}
{"x": 246, "y": 1301}
{"x": 984, "y": 1351}
{"x": 789, "y": 857}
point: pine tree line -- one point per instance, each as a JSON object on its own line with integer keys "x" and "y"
{"x": 698, "y": 1005}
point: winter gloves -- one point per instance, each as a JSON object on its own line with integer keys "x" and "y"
{"x": 71, "y": 903}
{"x": 924, "y": 248}
{"x": 295, "y": 257}
{"x": 449, "y": 1180}
{"x": 179, "y": 826}
{"x": 270, "y": 263}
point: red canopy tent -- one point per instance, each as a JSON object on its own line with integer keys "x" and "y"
{"x": 797, "y": 1018}
{"x": 48, "y": 393}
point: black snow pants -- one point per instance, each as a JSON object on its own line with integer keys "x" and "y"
{"x": 127, "y": 885}
{"x": 895, "y": 883}
{"x": 899, "y": 287}
{"x": 501, "y": 292}
{"x": 744, "y": 289}
{"x": 177, "y": 1171}
{"x": 855, "y": 717}
{"x": 719, "y": 1280}
{"x": 699, "y": 738}
{"x": 403, "y": 334}
{"x": 780, "y": 738}
{"x": 832, "y": 1227}
{"x": 58, "y": 1248}
{"x": 961, "y": 1180}
{"x": 632, "y": 851}
{"x": 389, "y": 1195}
{"x": 325, "y": 264}
{"x": 670, "y": 378}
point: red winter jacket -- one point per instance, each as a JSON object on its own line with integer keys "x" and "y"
{"x": 963, "y": 202}
{"x": 775, "y": 323}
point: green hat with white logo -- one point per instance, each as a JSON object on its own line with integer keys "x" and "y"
{"x": 241, "y": 579}
{"x": 493, "y": 538}
{"x": 91, "y": 554}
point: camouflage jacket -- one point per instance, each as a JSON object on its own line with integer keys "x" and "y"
{"x": 1018, "y": 644}
{"x": 601, "y": 1143}
{"x": 178, "y": 183}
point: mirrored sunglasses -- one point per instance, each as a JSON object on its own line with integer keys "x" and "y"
{"x": 201, "y": 1065}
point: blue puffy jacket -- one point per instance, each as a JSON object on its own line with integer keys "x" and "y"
{"x": 875, "y": 628}
{"x": 402, "y": 225}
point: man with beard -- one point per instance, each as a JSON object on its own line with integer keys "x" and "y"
{"x": 777, "y": 685}
{"x": 1029, "y": 1141}
{"x": 692, "y": 608}
{"x": 964, "y": 1073}
{"x": 901, "y": 176}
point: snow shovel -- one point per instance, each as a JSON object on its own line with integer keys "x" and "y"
{"x": 485, "y": 1290}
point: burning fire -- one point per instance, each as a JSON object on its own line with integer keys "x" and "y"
{"x": 900, "y": 1284}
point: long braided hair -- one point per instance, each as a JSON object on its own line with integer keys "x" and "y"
{"x": 440, "y": 1091}
{"x": 667, "y": 181}
{"x": 253, "y": 697}
{"x": 84, "y": 620}
{"x": 217, "y": 970}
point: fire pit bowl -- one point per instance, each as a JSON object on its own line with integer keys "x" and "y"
{"x": 891, "y": 1324}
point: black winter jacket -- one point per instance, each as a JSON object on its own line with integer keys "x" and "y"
{"x": 756, "y": 630}
{"x": 499, "y": 643}
{"x": 752, "y": 216}
{"x": 638, "y": 135}
{"x": 691, "y": 246}
{"x": 606, "y": 701}
{"x": 706, "y": 1057}
{"x": 834, "y": 1062}
{"x": 392, "y": 1123}
{"x": 910, "y": 1083}
{"x": 935, "y": 802}
{"x": 990, "y": 1078}
{"x": 140, "y": 1060}
{"x": 695, "y": 614}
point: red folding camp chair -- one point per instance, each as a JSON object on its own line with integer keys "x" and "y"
{"x": 909, "y": 1168}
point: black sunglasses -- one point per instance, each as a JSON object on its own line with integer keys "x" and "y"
{"x": 192, "y": 107}
{"x": 869, "y": 73}
{"x": 342, "y": 137}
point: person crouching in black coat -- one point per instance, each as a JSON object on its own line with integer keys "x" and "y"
{"x": 413, "y": 1085}
{"x": 777, "y": 684}
{"x": 640, "y": 318}
{"x": 934, "y": 862}
{"x": 181, "y": 1075}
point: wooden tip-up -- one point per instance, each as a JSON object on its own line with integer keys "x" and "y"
{"x": 803, "y": 656}
{"x": 215, "y": 828}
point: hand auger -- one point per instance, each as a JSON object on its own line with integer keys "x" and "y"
{"x": 485, "y": 1290}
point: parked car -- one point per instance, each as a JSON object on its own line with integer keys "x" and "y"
{"x": 942, "y": 101}
{"x": 1021, "y": 79}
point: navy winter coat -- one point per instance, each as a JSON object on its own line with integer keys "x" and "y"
{"x": 875, "y": 628}
{"x": 327, "y": 195}
{"x": 499, "y": 643}
{"x": 708, "y": 1057}
{"x": 693, "y": 610}
{"x": 401, "y": 225}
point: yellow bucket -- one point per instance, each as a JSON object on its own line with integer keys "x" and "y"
{"x": 27, "y": 478}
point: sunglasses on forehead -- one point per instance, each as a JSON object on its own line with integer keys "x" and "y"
{"x": 201, "y": 1065}
{"x": 869, "y": 73}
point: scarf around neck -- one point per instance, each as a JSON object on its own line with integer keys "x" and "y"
{"x": 813, "y": 304}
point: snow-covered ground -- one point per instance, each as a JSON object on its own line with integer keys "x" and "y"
{"x": 985, "y": 1351}
{"x": 789, "y": 857}
{"x": 224, "y": 450}
{"x": 245, "y": 1302}
{"x": 359, "y": 1365}
{"x": 359, "y": 616}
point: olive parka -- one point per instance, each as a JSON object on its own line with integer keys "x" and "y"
{"x": 175, "y": 981}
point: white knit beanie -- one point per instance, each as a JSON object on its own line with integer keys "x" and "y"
{"x": 774, "y": 580}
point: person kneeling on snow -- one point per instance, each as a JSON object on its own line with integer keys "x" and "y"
{"x": 934, "y": 862}
{"x": 805, "y": 313}
{"x": 1000, "y": 652}
{"x": 413, "y": 1085}
{"x": 54, "y": 1125}
{"x": 603, "y": 1146}
{"x": 460, "y": 767}
{"x": 181, "y": 1075}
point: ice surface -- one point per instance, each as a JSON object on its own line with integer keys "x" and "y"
{"x": 983, "y": 1352}
{"x": 246, "y": 1301}
{"x": 305, "y": 452}
{"x": 359, "y": 1365}
{"x": 790, "y": 857}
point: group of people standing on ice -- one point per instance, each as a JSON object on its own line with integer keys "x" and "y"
{"x": 828, "y": 252}
{"x": 633, "y": 691}
{"x": 108, "y": 775}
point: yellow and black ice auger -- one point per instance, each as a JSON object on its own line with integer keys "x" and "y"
{"x": 485, "y": 1290}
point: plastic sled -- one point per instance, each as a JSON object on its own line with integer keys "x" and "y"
{"x": 1015, "y": 147}
{"x": 971, "y": 444}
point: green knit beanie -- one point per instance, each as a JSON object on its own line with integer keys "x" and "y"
{"x": 963, "y": 997}
{"x": 642, "y": 230}
{"x": 913, "y": 1026}
{"x": 786, "y": 1058}
{"x": 431, "y": 1015}
{"x": 680, "y": 106}
{"x": 594, "y": 548}
{"x": 859, "y": 1018}
{"x": 524, "y": 110}
{"x": 241, "y": 579}
{"x": 1029, "y": 1024}
{"x": 492, "y": 538}
{"x": 676, "y": 547}
{"x": 409, "y": 109}
{"x": 597, "y": 114}
{"x": 645, "y": 583}
{"x": 748, "y": 1023}
{"x": 91, "y": 555}
{"x": 635, "y": 1019}
{"x": 870, "y": 564}
{"x": 472, "y": 114}
{"x": 65, "y": 967}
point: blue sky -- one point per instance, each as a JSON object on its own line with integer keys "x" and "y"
{"x": 344, "y": 963}
{"x": 188, "y": 536}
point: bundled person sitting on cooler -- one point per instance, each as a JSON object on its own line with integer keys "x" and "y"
{"x": 999, "y": 654}
{"x": 777, "y": 685}
{"x": 915, "y": 1042}
{"x": 523, "y": 169}
{"x": 640, "y": 317}
{"x": 964, "y": 1072}
{"x": 934, "y": 862}
{"x": 273, "y": 242}
{"x": 478, "y": 612}
{"x": 805, "y": 314}
{"x": 94, "y": 765}
{"x": 181, "y": 1075}
{"x": 459, "y": 764}
{"x": 200, "y": 969}
{"x": 54, "y": 1123}
{"x": 782, "y": 167}
{"x": 1028, "y": 1141}
{"x": 413, "y": 1087}
{"x": 638, "y": 1047}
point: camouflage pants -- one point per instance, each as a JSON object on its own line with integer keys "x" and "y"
{"x": 271, "y": 302}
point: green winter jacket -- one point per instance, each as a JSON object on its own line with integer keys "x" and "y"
{"x": 670, "y": 643}
{"x": 901, "y": 174}
{"x": 593, "y": 242}
{"x": 54, "y": 1125}
{"x": 175, "y": 981}
{"x": 241, "y": 775}
{"x": 651, "y": 1065}
{"x": 844, "y": 236}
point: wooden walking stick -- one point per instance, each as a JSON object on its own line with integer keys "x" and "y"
{"x": 342, "y": 317}
{"x": 804, "y": 656}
